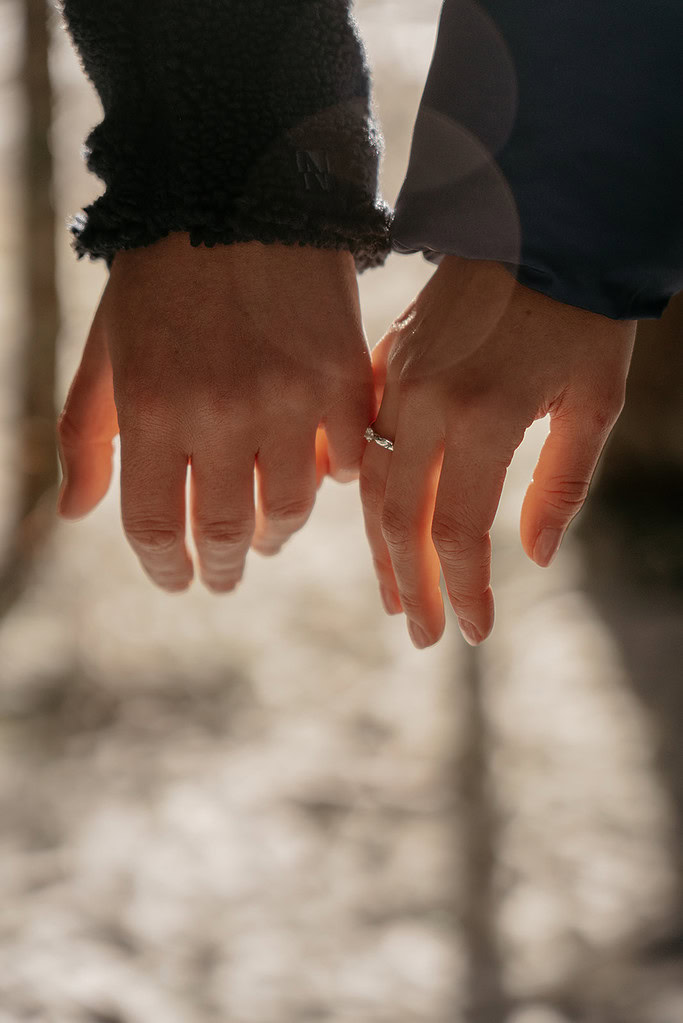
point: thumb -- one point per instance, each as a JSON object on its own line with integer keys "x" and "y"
{"x": 86, "y": 428}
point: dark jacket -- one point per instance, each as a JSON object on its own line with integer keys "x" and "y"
{"x": 549, "y": 137}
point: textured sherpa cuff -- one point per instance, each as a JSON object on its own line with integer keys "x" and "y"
{"x": 232, "y": 121}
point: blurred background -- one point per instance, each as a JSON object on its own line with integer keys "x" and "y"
{"x": 268, "y": 807}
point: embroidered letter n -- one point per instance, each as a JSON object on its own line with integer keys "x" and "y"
{"x": 314, "y": 164}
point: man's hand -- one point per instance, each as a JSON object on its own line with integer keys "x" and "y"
{"x": 472, "y": 362}
{"x": 229, "y": 358}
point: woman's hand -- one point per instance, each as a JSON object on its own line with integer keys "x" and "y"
{"x": 472, "y": 362}
{"x": 229, "y": 358}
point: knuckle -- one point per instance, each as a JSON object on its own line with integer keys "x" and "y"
{"x": 566, "y": 494}
{"x": 222, "y": 404}
{"x": 141, "y": 411}
{"x": 454, "y": 538}
{"x": 224, "y": 534}
{"x": 415, "y": 393}
{"x": 462, "y": 600}
{"x": 299, "y": 393}
{"x": 152, "y": 537}
{"x": 397, "y": 529}
{"x": 411, "y": 604}
{"x": 288, "y": 387}
{"x": 290, "y": 511}
{"x": 604, "y": 414}
{"x": 600, "y": 407}
{"x": 471, "y": 395}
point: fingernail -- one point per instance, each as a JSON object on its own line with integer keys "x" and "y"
{"x": 470, "y": 634}
{"x": 221, "y": 586}
{"x": 546, "y": 546}
{"x": 392, "y": 605}
{"x": 418, "y": 635}
{"x": 267, "y": 544}
{"x": 174, "y": 585}
{"x": 180, "y": 588}
{"x": 268, "y": 550}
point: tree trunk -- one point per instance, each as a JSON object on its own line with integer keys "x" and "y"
{"x": 37, "y": 464}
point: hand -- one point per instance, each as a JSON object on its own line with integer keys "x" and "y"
{"x": 472, "y": 362}
{"x": 227, "y": 358}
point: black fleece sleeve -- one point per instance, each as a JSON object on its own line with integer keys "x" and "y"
{"x": 550, "y": 137}
{"x": 231, "y": 120}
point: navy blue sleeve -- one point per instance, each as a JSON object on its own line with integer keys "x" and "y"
{"x": 550, "y": 138}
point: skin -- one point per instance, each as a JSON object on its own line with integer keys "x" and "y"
{"x": 231, "y": 360}
{"x": 472, "y": 362}
{"x": 202, "y": 358}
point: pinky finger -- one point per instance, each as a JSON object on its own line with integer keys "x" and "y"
{"x": 560, "y": 483}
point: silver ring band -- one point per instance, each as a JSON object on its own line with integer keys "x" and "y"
{"x": 383, "y": 442}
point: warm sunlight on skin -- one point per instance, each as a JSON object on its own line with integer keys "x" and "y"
{"x": 228, "y": 358}
{"x": 473, "y": 361}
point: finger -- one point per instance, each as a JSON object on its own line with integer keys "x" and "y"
{"x": 222, "y": 508}
{"x": 345, "y": 425}
{"x": 472, "y": 477}
{"x": 286, "y": 471}
{"x": 322, "y": 460}
{"x": 86, "y": 429}
{"x": 406, "y": 522}
{"x": 153, "y": 475}
{"x": 373, "y": 480}
{"x": 561, "y": 480}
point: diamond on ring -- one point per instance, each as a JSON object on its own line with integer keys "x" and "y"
{"x": 383, "y": 442}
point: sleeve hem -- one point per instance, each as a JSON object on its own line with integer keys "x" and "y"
{"x": 365, "y": 233}
{"x": 597, "y": 296}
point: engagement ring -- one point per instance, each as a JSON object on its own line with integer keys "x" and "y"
{"x": 383, "y": 442}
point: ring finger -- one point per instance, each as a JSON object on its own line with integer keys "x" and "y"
{"x": 398, "y": 490}
{"x": 222, "y": 508}
{"x": 406, "y": 522}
